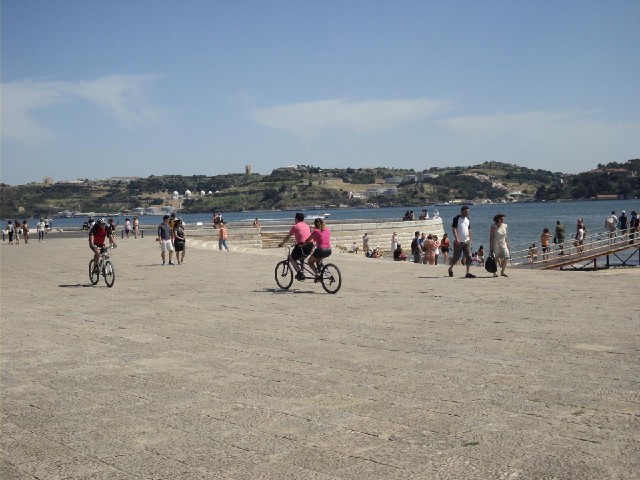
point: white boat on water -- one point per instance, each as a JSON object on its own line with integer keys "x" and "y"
{"x": 321, "y": 215}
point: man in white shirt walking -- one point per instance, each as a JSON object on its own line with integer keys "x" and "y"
{"x": 462, "y": 241}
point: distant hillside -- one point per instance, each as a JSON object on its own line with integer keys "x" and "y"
{"x": 308, "y": 186}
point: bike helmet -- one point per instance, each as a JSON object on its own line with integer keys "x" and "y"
{"x": 102, "y": 221}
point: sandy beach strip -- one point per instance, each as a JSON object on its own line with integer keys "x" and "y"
{"x": 207, "y": 370}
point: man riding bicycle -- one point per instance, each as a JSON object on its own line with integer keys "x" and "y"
{"x": 301, "y": 232}
{"x": 97, "y": 236}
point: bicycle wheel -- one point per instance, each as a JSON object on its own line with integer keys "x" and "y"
{"x": 94, "y": 275}
{"x": 284, "y": 274}
{"x": 331, "y": 278}
{"x": 109, "y": 274}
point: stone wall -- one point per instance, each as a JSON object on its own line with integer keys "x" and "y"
{"x": 342, "y": 234}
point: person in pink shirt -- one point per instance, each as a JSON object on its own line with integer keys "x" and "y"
{"x": 321, "y": 236}
{"x": 300, "y": 231}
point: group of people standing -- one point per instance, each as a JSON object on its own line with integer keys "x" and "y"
{"x": 426, "y": 248}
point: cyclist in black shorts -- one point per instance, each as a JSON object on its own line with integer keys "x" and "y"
{"x": 97, "y": 236}
{"x": 301, "y": 232}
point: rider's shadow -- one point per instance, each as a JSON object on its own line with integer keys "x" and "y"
{"x": 290, "y": 291}
{"x": 76, "y": 285}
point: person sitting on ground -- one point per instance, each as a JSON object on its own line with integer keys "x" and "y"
{"x": 321, "y": 236}
{"x": 480, "y": 255}
{"x": 354, "y": 247}
{"x": 300, "y": 231}
{"x": 376, "y": 253}
{"x": 398, "y": 254}
{"x": 256, "y": 224}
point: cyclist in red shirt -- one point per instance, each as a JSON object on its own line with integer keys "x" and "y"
{"x": 97, "y": 236}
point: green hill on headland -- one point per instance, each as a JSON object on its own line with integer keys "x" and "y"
{"x": 306, "y": 186}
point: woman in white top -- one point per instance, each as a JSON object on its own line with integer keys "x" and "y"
{"x": 499, "y": 243}
{"x": 394, "y": 242}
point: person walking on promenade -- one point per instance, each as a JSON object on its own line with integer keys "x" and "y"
{"x": 623, "y": 222}
{"x": 499, "y": 243}
{"x": 462, "y": 241}
{"x": 611, "y": 224}
{"x": 582, "y": 226}
{"x": 165, "y": 237}
{"x": 300, "y": 232}
{"x": 111, "y": 228}
{"x": 222, "y": 237}
{"x": 394, "y": 242}
{"x": 415, "y": 247}
{"x": 634, "y": 227}
{"x": 10, "y": 231}
{"x": 25, "y": 230}
{"x": 127, "y": 227}
{"x": 136, "y": 226}
{"x": 579, "y": 242}
{"x": 16, "y": 231}
{"x": 436, "y": 242}
{"x": 545, "y": 237}
{"x": 179, "y": 240}
{"x": 444, "y": 248}
{"x": 40, "y": 228}
{"x": 559, "y": 237}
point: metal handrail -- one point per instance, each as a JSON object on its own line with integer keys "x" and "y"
{"x": 594, "y": 243}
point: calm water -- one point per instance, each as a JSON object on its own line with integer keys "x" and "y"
{"x": 525, "y": 220}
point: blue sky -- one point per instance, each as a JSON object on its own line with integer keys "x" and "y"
{"x": 94, "y": 89}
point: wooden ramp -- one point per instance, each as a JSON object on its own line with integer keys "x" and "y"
{"x": 595, "y": 253}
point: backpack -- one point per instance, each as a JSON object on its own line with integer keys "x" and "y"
{"x": 611, "y": 223}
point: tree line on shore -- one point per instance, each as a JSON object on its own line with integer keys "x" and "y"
{"x": 307, "y": 186}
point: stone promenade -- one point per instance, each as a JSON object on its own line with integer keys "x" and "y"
{"x": 207, "y": 371}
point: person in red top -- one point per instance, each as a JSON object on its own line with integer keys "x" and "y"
{"x": 300, "y": 231}
{"x": 322, "y": 238}
{"x": 97, "y": 236}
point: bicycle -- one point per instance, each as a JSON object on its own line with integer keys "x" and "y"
{"x": 329, "y": 274}
{"x": 104, "y": 268}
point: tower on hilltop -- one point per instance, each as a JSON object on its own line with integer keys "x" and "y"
{"x": 247, "y": 169}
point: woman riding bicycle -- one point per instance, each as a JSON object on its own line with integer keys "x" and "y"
{"x": 321, "y": 236}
